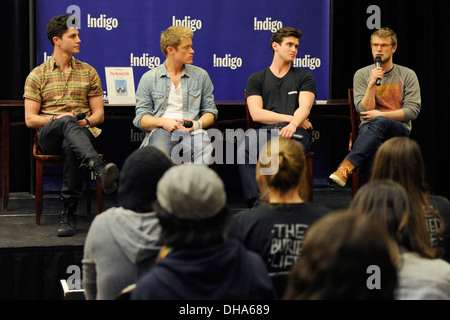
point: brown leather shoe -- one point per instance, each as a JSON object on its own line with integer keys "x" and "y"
{"x": 340, "y": 176}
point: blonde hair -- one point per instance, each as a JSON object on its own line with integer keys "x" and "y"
{"x": 291, "y": 161}
{"x": 385, "y": 33}
{"x": 172, "y": 37}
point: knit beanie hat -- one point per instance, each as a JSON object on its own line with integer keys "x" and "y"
{"x": 139, "y": 177}
{"x": 191, "y": 191}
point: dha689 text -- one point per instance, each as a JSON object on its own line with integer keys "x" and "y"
{"x": 254, "y": 309}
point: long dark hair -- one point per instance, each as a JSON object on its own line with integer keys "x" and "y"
{"x": 338, "y": 249}
{"x": 388, "y": 203}
{"x": 400, "y": 159}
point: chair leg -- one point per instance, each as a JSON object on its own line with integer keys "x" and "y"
{"x": 310, "y": 176}
{"x": 355, "y": 182}
{"x": 88, "y": 192}
{"x": 99, "y": 197}
{"x": 39, "y": 190}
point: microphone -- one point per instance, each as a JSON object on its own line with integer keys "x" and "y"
{"x": 187, "y": 124}
{"x": 80, "y": 116}
{"x": 378, "y": 64}
{"x": 295, "y": 136}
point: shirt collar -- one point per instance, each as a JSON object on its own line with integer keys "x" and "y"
{"x": 166, "y": 73}
{"x": 54, "y": 65}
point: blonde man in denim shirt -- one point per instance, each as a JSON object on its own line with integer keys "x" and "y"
{"x": 172, "y": 94}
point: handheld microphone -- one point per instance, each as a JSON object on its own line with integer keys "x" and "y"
{"x": 187, "y": 124}
{"x": 295, "y": 136}
{"x": 298, "y": 137}
{"x": 80, "y": 116}
{"x": 378, "y": 64}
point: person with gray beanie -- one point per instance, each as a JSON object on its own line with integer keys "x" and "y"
{"x": 122, "y": 242}
{"x": 196, "y": 261}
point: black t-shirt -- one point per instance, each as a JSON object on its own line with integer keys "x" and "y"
{"x": 281, "y": 94}
{"x": 276, "y": 231}
{"x": 441, "y": 205}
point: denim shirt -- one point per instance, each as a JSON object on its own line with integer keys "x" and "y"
{"x": 154, "y": 88}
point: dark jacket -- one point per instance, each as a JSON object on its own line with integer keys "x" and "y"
{"x": 226, "y": 271}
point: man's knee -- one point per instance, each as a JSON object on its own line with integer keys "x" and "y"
{"x": 388, "y": 126}
{"x": 68, "y": 120}
{"x": 381, "y": 120}
{"x": 160, "y": 137}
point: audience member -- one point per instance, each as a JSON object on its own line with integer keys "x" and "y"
{"x": 275, "y": 229}
{"x": 400, "y": 159}
{"x": 419, "y": 276}
{"x": 196, "y": 262}
{"x": 345, "y": 256}
{"x": 122, "y": 242}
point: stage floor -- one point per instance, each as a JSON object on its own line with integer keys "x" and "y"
{"x": 18, "y": 224}
{"x": 18, "y": 227}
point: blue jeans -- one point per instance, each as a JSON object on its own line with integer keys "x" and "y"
{"x": 371, "y": 136}
{"x": 183, "y": 147}
{"x": 250, "y": 147}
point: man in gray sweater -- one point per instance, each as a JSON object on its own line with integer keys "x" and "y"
{"x": 386, "y": 108}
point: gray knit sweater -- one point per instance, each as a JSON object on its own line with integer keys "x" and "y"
{"x": 399, "y": 90}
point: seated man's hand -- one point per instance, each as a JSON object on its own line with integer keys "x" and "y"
{"x": 288, "y": 131}
{"x": 370, "y": 115}
{"x": 306, "y": 125}
{"x": 192, "y": 128}
{"x": 172, "y": 124}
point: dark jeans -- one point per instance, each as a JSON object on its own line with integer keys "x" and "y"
{"x": 250, "y": 146}
{"x": 371, "y": 136}
{"x": 65, "y": 136}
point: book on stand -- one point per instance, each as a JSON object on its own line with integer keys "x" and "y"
{"x": 120, "y": 85}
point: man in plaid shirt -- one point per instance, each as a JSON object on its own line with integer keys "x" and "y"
{"x": 55, "y": 92}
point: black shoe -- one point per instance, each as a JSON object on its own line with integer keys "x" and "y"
{"x": 68, "y": 225}
{"x": 107, "y": 174}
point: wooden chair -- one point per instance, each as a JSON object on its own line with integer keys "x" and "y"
{"x": 355, "y": 121}
{"x": 309, "y": 156}
{"x": 47, "y": 160}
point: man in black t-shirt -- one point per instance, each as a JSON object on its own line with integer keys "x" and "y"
{"x": 279, "y": 97}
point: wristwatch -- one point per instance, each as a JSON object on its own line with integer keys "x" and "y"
{"x": 88, "y": 123}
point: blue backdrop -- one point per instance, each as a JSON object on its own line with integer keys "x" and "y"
{"x": 231, "y": 37}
